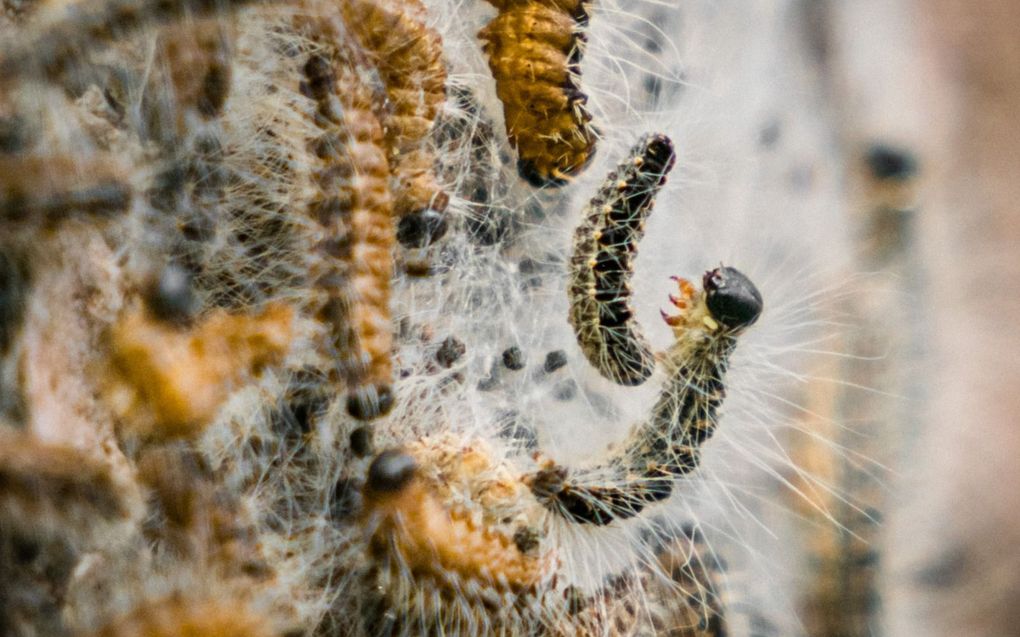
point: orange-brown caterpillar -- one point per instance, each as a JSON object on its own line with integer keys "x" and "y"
{"x": 444, "y": 552}
{"x": 534, "y": 50}
{"x": 605, "y": 244}
{"x": 409, "y": 58}
{"x": 50, "y": 188}
{"x": 353, "y": 206}
{"x": 668, "y": 444}
{"x": 180, "y": 616}
{"x": 169, "y": 382}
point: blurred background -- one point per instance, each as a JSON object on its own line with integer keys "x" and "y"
{"x": 925, "y": 98}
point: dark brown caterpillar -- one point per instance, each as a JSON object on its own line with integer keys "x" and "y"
{"x": 534, "y": 50}
{"x": 409, "y": 58}
{"x": 605, "y": 244}
{"x": 666, "y": 446}
{"x": 353, "y": 206}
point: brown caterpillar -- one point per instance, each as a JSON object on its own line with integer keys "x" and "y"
{"x": 353, "y": 206}
{"x": 51, "y": 188}
{"x": 197, "y": 57}
{"x": 58, "y": 45}
{"x": 534, "y": 50}
{"x": 169, "y": 382}
{"x": 409, "y": 58}
{"x": 180, "y": 616}
{"x": 446, "y": 552}
{"x": 667, "y": 445}
{"x": 605, "y": 244}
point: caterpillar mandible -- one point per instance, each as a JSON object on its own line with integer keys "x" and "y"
{"x": 605, "y": 244}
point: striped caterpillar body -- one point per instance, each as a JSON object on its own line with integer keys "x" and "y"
{"x": 605, "y": 244}
{"x": 534, "y": 50}
{"x": 353, "y": 206}
{"x": 49, "y": 189}
{"x": 667, "y": 445}
{"x": 409, "y": 58}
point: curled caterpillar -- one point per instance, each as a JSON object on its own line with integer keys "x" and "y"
{"x": 605, "y": 244}
{"x": 667, "y": 445}
{"x": 353, "y": 206}
{"x": 409, "y": 58}
{"x": 534, "y": 51}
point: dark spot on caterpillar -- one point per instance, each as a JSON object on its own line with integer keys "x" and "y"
{"x": 361, "y": 441}
{"x": 171, "y": 297}
{"x": 367, "y": 403}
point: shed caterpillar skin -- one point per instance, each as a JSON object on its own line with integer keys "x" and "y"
{"x": 353, "y": 206}
{"x": 667, "y": 445}
{"x": 605, "y": 244}
{"x": 534, "y": 51}
{"x": 409, "y": 58}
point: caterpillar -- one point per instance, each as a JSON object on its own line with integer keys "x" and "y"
{"x": 420, "y": 549}
{"x": 181, "y": 614}
{"x": 667, "y": 445}
{"x": 534, "y": 50}
{"x": 57, "y": 46}
{"x": 605, "y": 244}
{"x": 51, "y": 188}
{"x": 353, "y": 206}
{"x": 409, "y": 58}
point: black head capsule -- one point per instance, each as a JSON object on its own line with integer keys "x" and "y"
{"x": 731, "y": 297}
{"x": 391, "y": 471}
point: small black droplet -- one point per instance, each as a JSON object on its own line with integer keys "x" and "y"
{"x": 554, "y": 360}
{"x": 391, "y": 471}
{"x": 513, "y": 358}
{"x": 450, "y": 351}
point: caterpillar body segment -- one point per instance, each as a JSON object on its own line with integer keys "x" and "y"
{"x": 353, "y": 206}
{"x": 668, "y": 444}
{"x": 408, "y": 55}
{"x": 605, "y": 244}
{"x": 534, "y": 51}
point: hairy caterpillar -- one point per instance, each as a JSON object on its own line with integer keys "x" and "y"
{"x": 180, "y": 615}
{"x": 667, "y": 445}
{"x": 605, "y": 244}
{"x": 409, "y": 57}
{"x": 534, "y": 50}
{"x": 353, "y": 205}
{"x": 48, "y": 189}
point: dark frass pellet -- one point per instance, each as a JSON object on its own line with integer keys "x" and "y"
{"x": 513, "y": 358}
{"x": 450, "y": 351}
{"x": 554, "y": 360}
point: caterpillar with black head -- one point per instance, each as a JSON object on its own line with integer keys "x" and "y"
{"x": 534, "y": 50}
{"x": 605, "y": 244}
{"x": 668, "y": 444}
